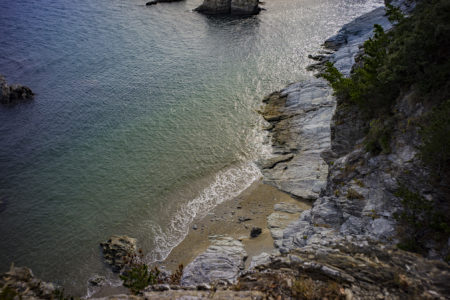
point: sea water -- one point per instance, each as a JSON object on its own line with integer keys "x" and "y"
{"x": 143, "y": 119}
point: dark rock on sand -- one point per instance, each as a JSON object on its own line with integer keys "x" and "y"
{"x": 256, "y": 231}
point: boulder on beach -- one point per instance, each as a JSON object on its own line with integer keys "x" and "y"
{"x": 12, "y": 93}
{"x": 118, "y": 249}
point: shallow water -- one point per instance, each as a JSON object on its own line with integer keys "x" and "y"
{"x": 144, "y": 117}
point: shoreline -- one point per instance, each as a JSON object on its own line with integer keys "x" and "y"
{"x": 255, "y": 203}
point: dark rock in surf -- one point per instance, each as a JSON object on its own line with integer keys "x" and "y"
{"x": 153, "y": 2}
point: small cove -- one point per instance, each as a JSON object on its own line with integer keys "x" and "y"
{"x": 139, "y": 112}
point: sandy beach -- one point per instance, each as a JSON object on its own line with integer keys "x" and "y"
{"x": 255, "y": 204}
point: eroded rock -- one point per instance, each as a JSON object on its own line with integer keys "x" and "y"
{"x": 223, "y": 260}
{"x": 118, "y": 249}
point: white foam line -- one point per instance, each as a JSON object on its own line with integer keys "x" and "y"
{"x": 227, "y": 185}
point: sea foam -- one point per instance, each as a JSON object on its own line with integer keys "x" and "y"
{"x": 226, "y": 185}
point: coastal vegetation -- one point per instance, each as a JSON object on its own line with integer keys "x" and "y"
{"x": 411, "y": 58}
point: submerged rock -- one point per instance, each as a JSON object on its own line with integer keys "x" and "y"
{"x": 118, "y": 249}
{"x": 222, "y": 261}
{"x": 232, "y": 7}
{"x": 12, "y": 93}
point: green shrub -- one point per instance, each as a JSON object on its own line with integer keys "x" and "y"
{"x": 414, "y": 53}
{"x": 8, "y": 293}
{"x": 378, "y": 138}
{"x": 139, "y": 277}
{"x": 435, "y": 133}
{"x": 419, "y": 221}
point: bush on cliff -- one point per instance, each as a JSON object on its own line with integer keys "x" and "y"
{"x": 415, "y": 53}
{"x": 419, "y": 221}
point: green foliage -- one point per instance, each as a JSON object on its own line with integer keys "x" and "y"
{"x": 354, "y": 195}
{"x": 394, "y": 13}
{"x": 419, "y": 221}
{"x": 175, "y": 278}
{"x": 8, "y": 293}
{"x": 365, "y": 87}
{"x": 436, "y": 140}
{"x": 58, "y": 294}
{"x": 139, "y": 277}
{"x": 414, "y": 53}
{"x": 378, "y": 138}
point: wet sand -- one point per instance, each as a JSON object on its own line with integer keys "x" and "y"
{"x": 255, "y": 203}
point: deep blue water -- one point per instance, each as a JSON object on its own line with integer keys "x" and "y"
{"x": 143, "y": 118}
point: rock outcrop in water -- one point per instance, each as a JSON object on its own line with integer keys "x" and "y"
{"x": 20, "y": 283}
{"x": 229, "y": 7}
{"x": 118, "y": 249}
{"x": 154, "y": 2}
{"x": 12, "y": 93}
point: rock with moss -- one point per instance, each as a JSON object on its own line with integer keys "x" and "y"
{"x": 20, "y": 283}
{"x": 119, "y": 250}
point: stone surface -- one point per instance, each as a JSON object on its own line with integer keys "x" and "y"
{"x": 97, "y": 280}
{"x": 118, "y": 249}
{"x": 255, "y": 232}
{"x": 233, "y": 7}
{"x": 193, "y": 295}
{"x": 244, "y": 7}
{"x": 21, "y": 283}
{"x": 300, "y": 117}
{"x": 12, "y": 93}
{"x": 222, "y": 261}
{"x": 370, "y": 271}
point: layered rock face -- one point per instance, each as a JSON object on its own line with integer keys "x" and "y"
{"x": 233, "y": 7}
{"x": 222, "y": 261}
{"x": 12, "y": 93}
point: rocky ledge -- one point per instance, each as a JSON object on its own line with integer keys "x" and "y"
{"x": 222, "y": 261}
{"x": 229, "y": 7}
{"x": 13, "y": 93}
{"x": 20, "y": 283}
{"x": 119, "y": 250}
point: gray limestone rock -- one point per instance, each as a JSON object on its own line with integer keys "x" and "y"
{"x": 290, "y": 208}
{"x": 223, "y": 260}
{"x": 300, "y": 116}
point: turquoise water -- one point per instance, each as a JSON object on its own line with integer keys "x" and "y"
{"x": 144, "y": 118}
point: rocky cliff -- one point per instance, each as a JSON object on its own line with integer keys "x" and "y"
{"x": 344, "y": 247}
